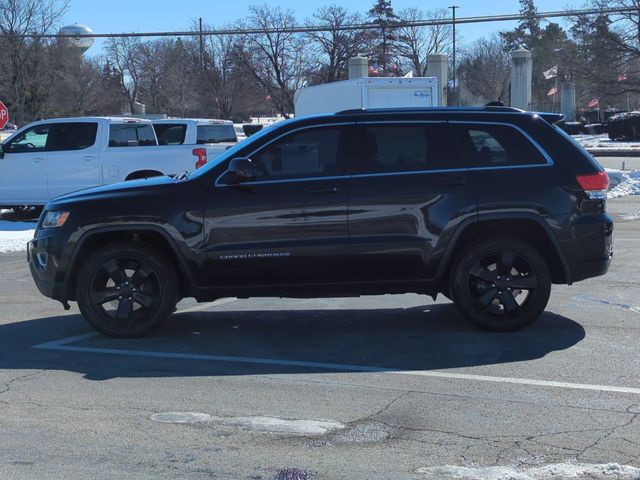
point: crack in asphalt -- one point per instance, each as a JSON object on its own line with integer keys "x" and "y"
{"x": 8, "y": 385}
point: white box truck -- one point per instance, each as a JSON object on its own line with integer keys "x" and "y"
{"x": 367, "y": 92}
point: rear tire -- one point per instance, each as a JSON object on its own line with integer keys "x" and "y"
{"x": 501, "y": 284}
{"x": 126, "y": 290}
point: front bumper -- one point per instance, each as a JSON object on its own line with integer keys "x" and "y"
{"x": 44, "y": 265}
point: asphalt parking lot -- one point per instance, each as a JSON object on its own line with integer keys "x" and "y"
{"x": 384, "y": 387}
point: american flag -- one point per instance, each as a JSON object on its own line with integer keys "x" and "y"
{"x": 593, "y": 103}
{"x": 622, "y": 77}
{"x": 553, "y": 91}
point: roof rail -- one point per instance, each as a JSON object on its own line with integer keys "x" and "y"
{"x": 355, "y": 111}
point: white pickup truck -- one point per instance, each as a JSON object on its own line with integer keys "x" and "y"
{"x": 53, "y": 157}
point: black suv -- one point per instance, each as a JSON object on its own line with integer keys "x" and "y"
{"x": 488, "y": 206}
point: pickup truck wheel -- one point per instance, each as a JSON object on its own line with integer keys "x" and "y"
{"x": 501, "y": 284}
{"x": 126, "y": 290}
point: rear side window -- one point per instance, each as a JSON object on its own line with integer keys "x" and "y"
{"x": 71, "y": 136}
{"x": 170, "y": 133}
{"x": 131, "y": 135}
{"x": 223, "y": 132}
{"x": 405, "y": 148}
{"x": 311, "y": 153}
{"x": 496, "y": 146}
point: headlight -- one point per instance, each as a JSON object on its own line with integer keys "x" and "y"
{"x": 54, "y": 219}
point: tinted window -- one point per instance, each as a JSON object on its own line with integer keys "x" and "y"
{"x": 223, "y": 132}
{"x": 170, "y": 133}
{"x": 131, "y": 135}
{"x": 72, "y": 136}
{"x": 496, "y": 145}
{"x": 311, "y": 153}
{"x": 402, "y": 148}
{"x": 32, "y": 140}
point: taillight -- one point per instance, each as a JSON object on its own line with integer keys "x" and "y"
{"x": 595, "y": 185}
{"x": 201, "y": 153}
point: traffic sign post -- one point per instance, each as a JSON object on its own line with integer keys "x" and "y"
{"x": 4, "y": 115}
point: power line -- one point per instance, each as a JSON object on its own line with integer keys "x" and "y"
{"x": 329, "y": 28}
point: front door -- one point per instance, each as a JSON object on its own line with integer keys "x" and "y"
{"x": 409, "y": 190}
{"x": 289, "y": 224}
{"x": 23, "y": 175}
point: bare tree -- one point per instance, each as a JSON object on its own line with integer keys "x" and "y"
{"x": 276, "y": 58}
{"x": 126, "y": 55}
{"x": 335, "y": 47}
{"x": 221, "y": 70}
{"x": 414, "y": 44}
{"x": 485, "y": 70}
{"x": 20, "y": 55}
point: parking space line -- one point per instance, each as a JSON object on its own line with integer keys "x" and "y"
{"x": 215, "y": 303}
{"x": 64, "y": 345}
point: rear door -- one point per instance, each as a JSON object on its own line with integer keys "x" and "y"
{"x": 73, "y": 161}
{"x": 23, "y": 175}
{"x": 409, "y": 190}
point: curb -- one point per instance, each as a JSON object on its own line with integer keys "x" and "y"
{"x": 614, "y": 153}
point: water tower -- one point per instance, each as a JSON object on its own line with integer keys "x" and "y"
{"x": 81, "y": 43}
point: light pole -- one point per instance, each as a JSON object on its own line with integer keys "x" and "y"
{"x": 453, "y": 10}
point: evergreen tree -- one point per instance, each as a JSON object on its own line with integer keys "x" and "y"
{"x": 383, "y": 40}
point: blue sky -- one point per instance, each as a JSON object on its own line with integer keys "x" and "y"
{"x": 108, "y": 16}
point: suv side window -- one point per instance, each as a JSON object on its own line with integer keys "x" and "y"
{"x": 404, "y": 148}
{"x": 310, "y": 153}
{"x": 496, "y": 145}
{"x": 72, "y": 136}
{"x": 131, "y": 135}
{"x": 33, "y": 139}
{"x": 170, "y": 133}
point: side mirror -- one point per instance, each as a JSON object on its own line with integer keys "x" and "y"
{"x": 240, "y": 170}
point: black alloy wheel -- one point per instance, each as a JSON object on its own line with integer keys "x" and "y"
{"x": 126, "y": 290}
{"x": 501, "y": 284}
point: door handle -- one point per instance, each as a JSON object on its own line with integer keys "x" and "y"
{"x": 324, "y": 191}
{"x": 455, "y": 182}
{"x": 88, "y": 159}
{"x": 38, "y": 159}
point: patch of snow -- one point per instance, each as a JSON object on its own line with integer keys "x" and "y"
{"x": 623, "y": 183}
{"x": 558, "y": 471}
{"x": 262, "y": 424}
{"x": 15, "y": 235}
{"x": 602, "y": 142}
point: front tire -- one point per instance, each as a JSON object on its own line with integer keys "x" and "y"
{"x": 126, "y": 290}
{"x": 501, "y": 284}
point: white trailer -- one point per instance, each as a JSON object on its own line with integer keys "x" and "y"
{"x": 367, "y": 92}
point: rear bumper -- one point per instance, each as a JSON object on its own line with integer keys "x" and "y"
{"x": 589, "y": 250}
{"x": 590, "y": 268}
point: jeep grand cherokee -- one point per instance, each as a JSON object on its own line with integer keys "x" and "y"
{"x": 488, "y": 206}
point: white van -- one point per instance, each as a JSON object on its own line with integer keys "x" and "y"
{"x": 367, "y": 92}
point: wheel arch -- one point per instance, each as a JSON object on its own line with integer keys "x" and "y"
{"x": 529, "y": 228}
{"x": 150, "y": 235}
{"x": 138, "y": 174}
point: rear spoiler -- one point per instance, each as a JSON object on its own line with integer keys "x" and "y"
{"x": 552, "y": 118}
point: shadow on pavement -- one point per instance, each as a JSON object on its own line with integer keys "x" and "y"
{"x": 431, "y": 337}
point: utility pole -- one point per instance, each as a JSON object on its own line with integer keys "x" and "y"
{"x": 201, "y": 38}
{"x": 453, "y": 22}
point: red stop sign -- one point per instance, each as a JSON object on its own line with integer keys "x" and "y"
{"x": 4, "y": 115}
